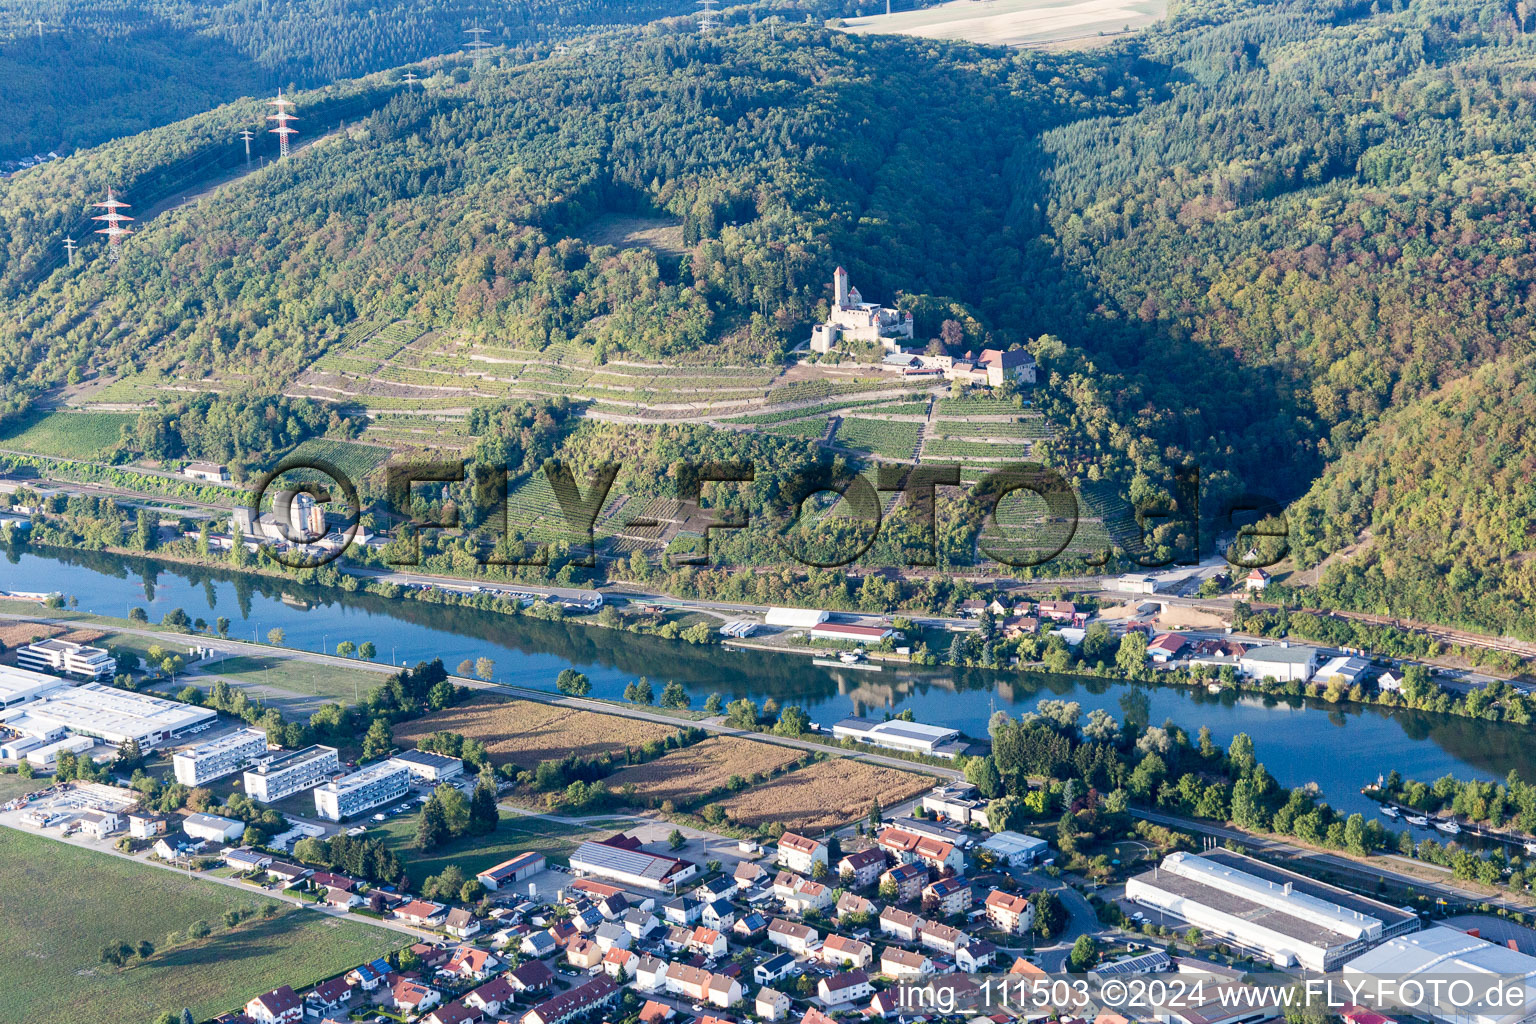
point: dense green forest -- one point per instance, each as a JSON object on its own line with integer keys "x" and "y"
{"x": 1287, "y": 242}
{"x": 107, "y": 68}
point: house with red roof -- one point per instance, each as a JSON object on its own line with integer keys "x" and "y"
{"x": 280, "y": 1006}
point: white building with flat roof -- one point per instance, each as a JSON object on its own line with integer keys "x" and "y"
{"x": 361, "y": 791}
{"x": 425, "y": 766}
{"x": 1288, "y": 926}
{"x": 213, "y": 827}
{"x": 17, "y": 686}
{"x": 1446, "y": 953}
{"x": 219, "y": 757}
{"x": 67, "y": 658}
{"x": 290, "y": 772}
{"x": 1280, "y": 662}
{"x": 802, "y": 618}
{"x": 47, "y": 755}
{"x": 896, "y": 734}
{"x": 1015, "y": 848}
{"x": 115, "y": 716}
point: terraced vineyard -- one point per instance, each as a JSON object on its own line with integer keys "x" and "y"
{"x": 893, "y": 439}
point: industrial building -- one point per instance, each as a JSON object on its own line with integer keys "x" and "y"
{"x": 219, "y": 757}
{"x": 293, "y": 772}
{"x": 1287, "y": 918}
{"x": 47, "y": 756}
{"x": 620, "y": 859}
{"x": 1281, "y": 663}
{"x": 213, "y": 827}
{"x": 795, "y": 618}
{"x": 510, "y": 872}
{"x": 362, "y": 791}
{"x": 65, "y": 657}
{"x": 428, "y": 767}
{"x": 1014, "y": 848}
{"x": 115, "y": 716}
{"x": 851, "y": 634}
{"x": 17, "y": 686}
{"x": 896, "y": 734}
{"x": 1447, "y": 953}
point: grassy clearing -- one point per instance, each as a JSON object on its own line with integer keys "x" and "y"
{"x": 1015, "y": 22}
{"x": 516, "y": 834}
{"x": 13, "y": 786}
{"x": 64, "y": 903}
{"x": 298, "y": 676}
{"x": 88, "y": 436}
{"x": 826, "y": 795}
{"x": 526, "y": 732}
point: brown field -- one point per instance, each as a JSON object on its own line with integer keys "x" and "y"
{"x": 526, "y": 732}
{"x": 19, "y": 634}
{"x": 684, "y": 775}
{"x": 825, "y": 795}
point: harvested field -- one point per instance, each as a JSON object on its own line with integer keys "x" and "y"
{"x": 826, "y": 795}
{"x": 525, "y": 732}
{"x": 19, "y": 634}
{"x": 1015, "y": 22}
{"x": 1184, "y": 617}
{"x": 684, "y": 775}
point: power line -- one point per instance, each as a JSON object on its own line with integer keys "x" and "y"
{"x": 282, "y": 117}
{"x": 114, "y": 229}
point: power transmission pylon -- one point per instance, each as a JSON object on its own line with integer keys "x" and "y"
{"x": 114, "y": 229}
{"x": 476, "y": 45}
{"x": 245, "y": 133}
{"x": 70, "y": 247}
{"x": 282, "y": 117}
{"x": 410, "y": 81}
{"x": 707, "y": 16}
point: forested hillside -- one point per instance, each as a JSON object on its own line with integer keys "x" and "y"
{"x": 1267, "y": 238}
{"x": 106, "y": 68}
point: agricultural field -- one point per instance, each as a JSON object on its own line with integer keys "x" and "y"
{"x": 1026, "y": 428}
{"x": 809, "y": 430}
{"x": 1014, "y": 22}
{"x": 953, "y": 408}
{"x": 894, "y": 439}
{"x": 12, "y": 786}
{"x": 684, "y": 775}
{"x": 525, "y": 732}
{"x": 516, "y": 834}
{"x": 828, "y": 794}
{"x": 87, "y": 436}
{"x": 76, "y": 900}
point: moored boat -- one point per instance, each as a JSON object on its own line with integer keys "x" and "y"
{"x": 1448, "y": 826}
{"x": 1390, "y": 811}
{"x": 1417, "y": 819}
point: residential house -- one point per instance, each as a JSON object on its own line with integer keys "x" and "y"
{"x": 586, "y": 918}
{"x": 584, "y": 953}
{"x": 611, "y": 935}
{"x": 848, "y": 987}
{"x": 801, "y": 895}
{"x": 682, "y": 910}
{"x": 407, "y": 997}
{"x": 849, "y": 904}
{"x": 702, "y": 986}
{"x": 800, "y": 854}
{"x": 639, "y": 923}
{"x": 1009, "y": 913}
{"x": 461, "y": 924}
{"x": 719, "y": 914}
{"x": 864, "y": 866}
{"x": 815, "y": 1016}
{"x": 288, "y": 874}
{"x": 774, "y": 968}
{"x": 422, "y": 913}
{"x": 456, "y": 1012}
{"x": 329, "y": 880}
{"x": 800, "y": 939}
{"x": 651, "y": 974}
{"x": 899, "y": 924}
{"x": 619, "y": 964}
{"x": 533, "y": 976}
{"x": 330, "y": 998}
{"x": 942, "y": 938}
{"x": 245, "y": 859}
{"x": 280, "y": 1006}
{"x": 471, "y": 964}
{"x": 1390, "y": 682}
{"x": 341, "y": 899}
{"x": 947, "y": 896}
{"x": 750, "y": 926}
{"x": 884, "y": 1004}
{"x": 748, "y": 874}
{"x": 771, "y": 1004}
{"x": 147, "y": 826}
{"x": 656, "y": 1013}
{"x": 677, "y": 938}
{"x": 839, "y": 950}
{"x": 370, "y": 976}
{"x": 1257, "y": 579}
{"x": 569, "y": 1005}
{"x": 908, "y": 879}
{"x": 1165, "y": 647}
{"x": 708, "y": 942}
{"x": 911, "y": 848}
{"x": 901, "y": 963}
{"x": 975, "y": 956}
{"x": 537, "y": 944}
{"x": 1057, "y": 611}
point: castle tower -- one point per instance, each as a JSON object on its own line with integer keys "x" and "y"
{"x": 840, "y": 289}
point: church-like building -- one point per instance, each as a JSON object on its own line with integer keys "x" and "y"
{"x": 857, "y": 320}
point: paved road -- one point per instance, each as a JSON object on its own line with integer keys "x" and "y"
{"x": 1081, "y": 918}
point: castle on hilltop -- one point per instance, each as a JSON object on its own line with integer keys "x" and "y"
{"x": 857, "y": 320}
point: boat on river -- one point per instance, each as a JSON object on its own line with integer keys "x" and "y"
{"x": 1417, "y": 819}
{"x": 1448, "y": 826}
{"x": 1390, "y": 811}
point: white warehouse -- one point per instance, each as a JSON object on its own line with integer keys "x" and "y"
{"x": 219, "y": 757}
{"x": 1263, "y": 909}
{"x": 361, "y": 791}
{"x": 17, "y": 686}
{"x": 896, "y": 734}
{"x": 115, "y": 716}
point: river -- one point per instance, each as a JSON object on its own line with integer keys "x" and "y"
{"x": 1339, "y": 747}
